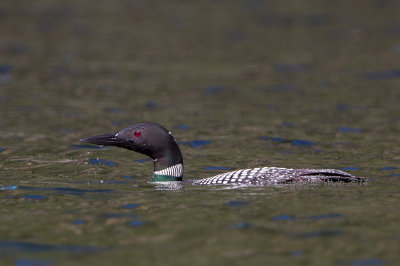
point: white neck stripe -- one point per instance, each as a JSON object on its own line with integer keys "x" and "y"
{"x": 175, "y": 171}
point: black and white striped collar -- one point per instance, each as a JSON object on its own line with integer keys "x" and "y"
{"x": 172, "y": 173}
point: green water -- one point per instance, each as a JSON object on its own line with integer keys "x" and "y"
{"x": 227, "y": 72}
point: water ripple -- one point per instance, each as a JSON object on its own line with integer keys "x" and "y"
{"x": 38, "y": 247}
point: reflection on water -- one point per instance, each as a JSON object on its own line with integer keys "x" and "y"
{"x": 168, "y": 185}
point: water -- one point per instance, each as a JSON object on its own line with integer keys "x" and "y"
{"x": 240, "y": 84}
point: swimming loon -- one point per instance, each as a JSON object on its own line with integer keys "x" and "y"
{"x": 158, "y": 143}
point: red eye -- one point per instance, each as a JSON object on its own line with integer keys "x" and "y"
{"x": 137, "y": 133}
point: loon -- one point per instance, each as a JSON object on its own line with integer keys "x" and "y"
{"x": 158, "y": 143}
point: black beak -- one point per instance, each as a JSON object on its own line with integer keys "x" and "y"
{"x": 105, "y": 140}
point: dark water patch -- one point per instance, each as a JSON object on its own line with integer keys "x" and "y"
{"x": 6, "y": 79}
{"x": 143, "y": 160}
{"x": 235, "y": 36}
{"x": 286, "y": 20}
{"x": 65, "y": 190}
{"x": 367, "y": 262}
{"x": 4, "y": 99}
{"x": 349, "y": 130}
{"x": 5, "y": 69}
{"x": 287, "y": 124}
{"x": 388, "y": 168}
{"x": 117, "y": 122}
{"x": 79, "y": 182}
{"x": 292, "y": 68}
{"x": 383, "y": 75}
{"x": 101, "y": 162}
{"x": 182, "y": 127}
{"x": 20, "y": 246}
{"x": 121, "y": 215}
{"x": 66, "y": 130}
{"x": 322, "y": 233}
{"x": 345, "y": 143}
{"x": 26, "y": 246}
{"x": 115, "y": 110}
{"x": 86, "y": 146}
{"x": 283, "y": 87}
{"x": 325, "y": 216}
{"x": 296, "y": 253}
{"x": 214, "y": 89}
{"x": 106, "y": 89}
{"x": 283, "y": 218}
{"x": 324, "y": 85}
{"x": 33, "y": 262}
{"x": 63, "y": 70}
{"x": 14, "y": 48}
{"x": 56, "y": 12}
{"x": 72, "y": 114}
{"x": 277, "y": 20}
{"x": 151, "y": 105}
{"x": 275, "y": 139}
{"x": 77, "y": 191}
{"x": 9, "y": 188}
{"x": 241, "y": 225}
{"x": 79, "y": 221}
{"x": 397, "y": 49}
{"x": 136, "y": 223}
{"x": 28, "y": 108}
{"x": 127, "y": 176}
{"x": 395, "y": 29}
{"x": 350, "y": 168}
{"x": 34, "y": 197}
{"x": 317, "y": 20}
{"x": 301, "y": 142}
{"x": 342, "y": 107}
{"x": 197, "y": 142}
{"x": 130, "y": 206}
{"x": 81, "y": 29}
{"x": 216, "y": 168}
{"x": 295, "y": 142}
{"x": 117, "y": 181}
{"x": 103, "y": 182}
{"x": 236, "y": 203}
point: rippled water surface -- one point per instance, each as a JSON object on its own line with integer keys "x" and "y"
{"x": 240, "y": 84}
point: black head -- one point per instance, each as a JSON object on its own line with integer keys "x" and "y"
{"x": 150, "y": 139}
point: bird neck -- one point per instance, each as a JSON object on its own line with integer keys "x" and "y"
{"x": 168, "y": 166}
